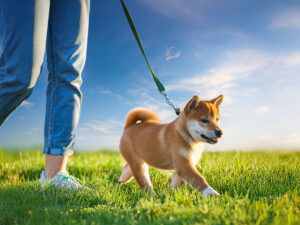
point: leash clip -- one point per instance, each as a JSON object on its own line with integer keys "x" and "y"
{"x": 170, "y": 102}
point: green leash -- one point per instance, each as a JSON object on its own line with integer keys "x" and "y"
{"x": 159, "y": 85}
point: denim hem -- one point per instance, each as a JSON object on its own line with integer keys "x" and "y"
{"x": 57, "y": 151}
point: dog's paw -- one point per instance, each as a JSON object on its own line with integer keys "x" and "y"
{"x": 209, "y": 192}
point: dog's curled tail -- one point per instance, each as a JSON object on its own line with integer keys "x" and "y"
{"x": 140, "y": 114}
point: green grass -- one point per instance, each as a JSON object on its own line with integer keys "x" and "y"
{"x": 255, "y": 188}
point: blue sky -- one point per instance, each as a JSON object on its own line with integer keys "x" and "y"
{"x": 247, "y": 50}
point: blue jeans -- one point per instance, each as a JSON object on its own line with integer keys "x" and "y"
{"x": 30, "y": 26}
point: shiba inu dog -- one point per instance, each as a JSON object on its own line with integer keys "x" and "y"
{"x": 177, "y": 145}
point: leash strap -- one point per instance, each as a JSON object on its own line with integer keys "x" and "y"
{"x": 159, "y": 85}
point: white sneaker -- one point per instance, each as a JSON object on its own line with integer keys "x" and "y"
{"x": 62, "y": 180}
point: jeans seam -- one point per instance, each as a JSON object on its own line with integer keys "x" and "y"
{"x": 52, "y": 59}
{"x": 4, "y": 40}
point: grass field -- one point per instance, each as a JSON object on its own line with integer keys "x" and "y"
{"x": 255, "y": 188}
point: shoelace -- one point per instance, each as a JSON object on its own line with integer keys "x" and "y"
{"x": 66, "y": 177}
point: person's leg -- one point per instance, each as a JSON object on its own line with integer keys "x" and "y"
{"x": 55, "y": 163}
{"x": 66, "y": 54}
{"x": 24, "y": 32}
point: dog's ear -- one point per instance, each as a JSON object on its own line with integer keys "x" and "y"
{"x": 217, "y": 101}
{"x": 192, "y": 104}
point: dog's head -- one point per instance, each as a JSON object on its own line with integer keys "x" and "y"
{"x": 202, "y": 119}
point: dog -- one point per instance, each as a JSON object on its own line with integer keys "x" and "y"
{"x": 177, "y": 145}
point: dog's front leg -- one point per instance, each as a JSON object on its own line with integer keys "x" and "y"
{"x": 176, "y": 180}
{"x": 189, "y": 173}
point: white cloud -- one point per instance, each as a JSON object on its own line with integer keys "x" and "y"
{"x": 100, "y": 134}
{"x": 262, "y": 138}
{"x": 164, "y": 112}
{"x": 262, "y": 110}
{"x": 292, "y": 60}
{"x": 105, "y": 91}
{"x": 104, "y": 127}
{"x": 292, "y": 140}
{"x": 31, "y": 130}
{"x": 289, "y": 141}
{"x": 170, "y": 54}
{"x": 96, "y": 141}
{"x": 226, "y": 76}
{"x": 222, "y": 78}
{"x": 214, "y": 33}
{"x": 286, "y": 19}
{"x": 178, "y": 8}
{"x": 27, "y": 104}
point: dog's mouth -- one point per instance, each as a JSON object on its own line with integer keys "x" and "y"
{"x": 209, "y": 140}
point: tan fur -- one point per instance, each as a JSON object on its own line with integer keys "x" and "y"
{"x": 140, "y": 114}
{"x": 126, "y": 175}
{"x": 176, "y": 180}
{"x": 173, "y": 146}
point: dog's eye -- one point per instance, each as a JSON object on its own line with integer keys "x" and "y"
{"x": 204, "y": 120}
{"x": 217, "y": 119}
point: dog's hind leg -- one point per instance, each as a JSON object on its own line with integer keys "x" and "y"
{"x": 141, "y": 174}
{"x": 176, "y": 180}
{"x": 126, "y": 175}
{"x": 136, "y": 167}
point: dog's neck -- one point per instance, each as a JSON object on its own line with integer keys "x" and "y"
{"x": 181, "y": 129}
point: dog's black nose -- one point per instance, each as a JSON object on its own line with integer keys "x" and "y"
{"x": 218, "y": 133}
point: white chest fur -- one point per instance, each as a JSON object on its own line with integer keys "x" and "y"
{"x": 194, "y": 153}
